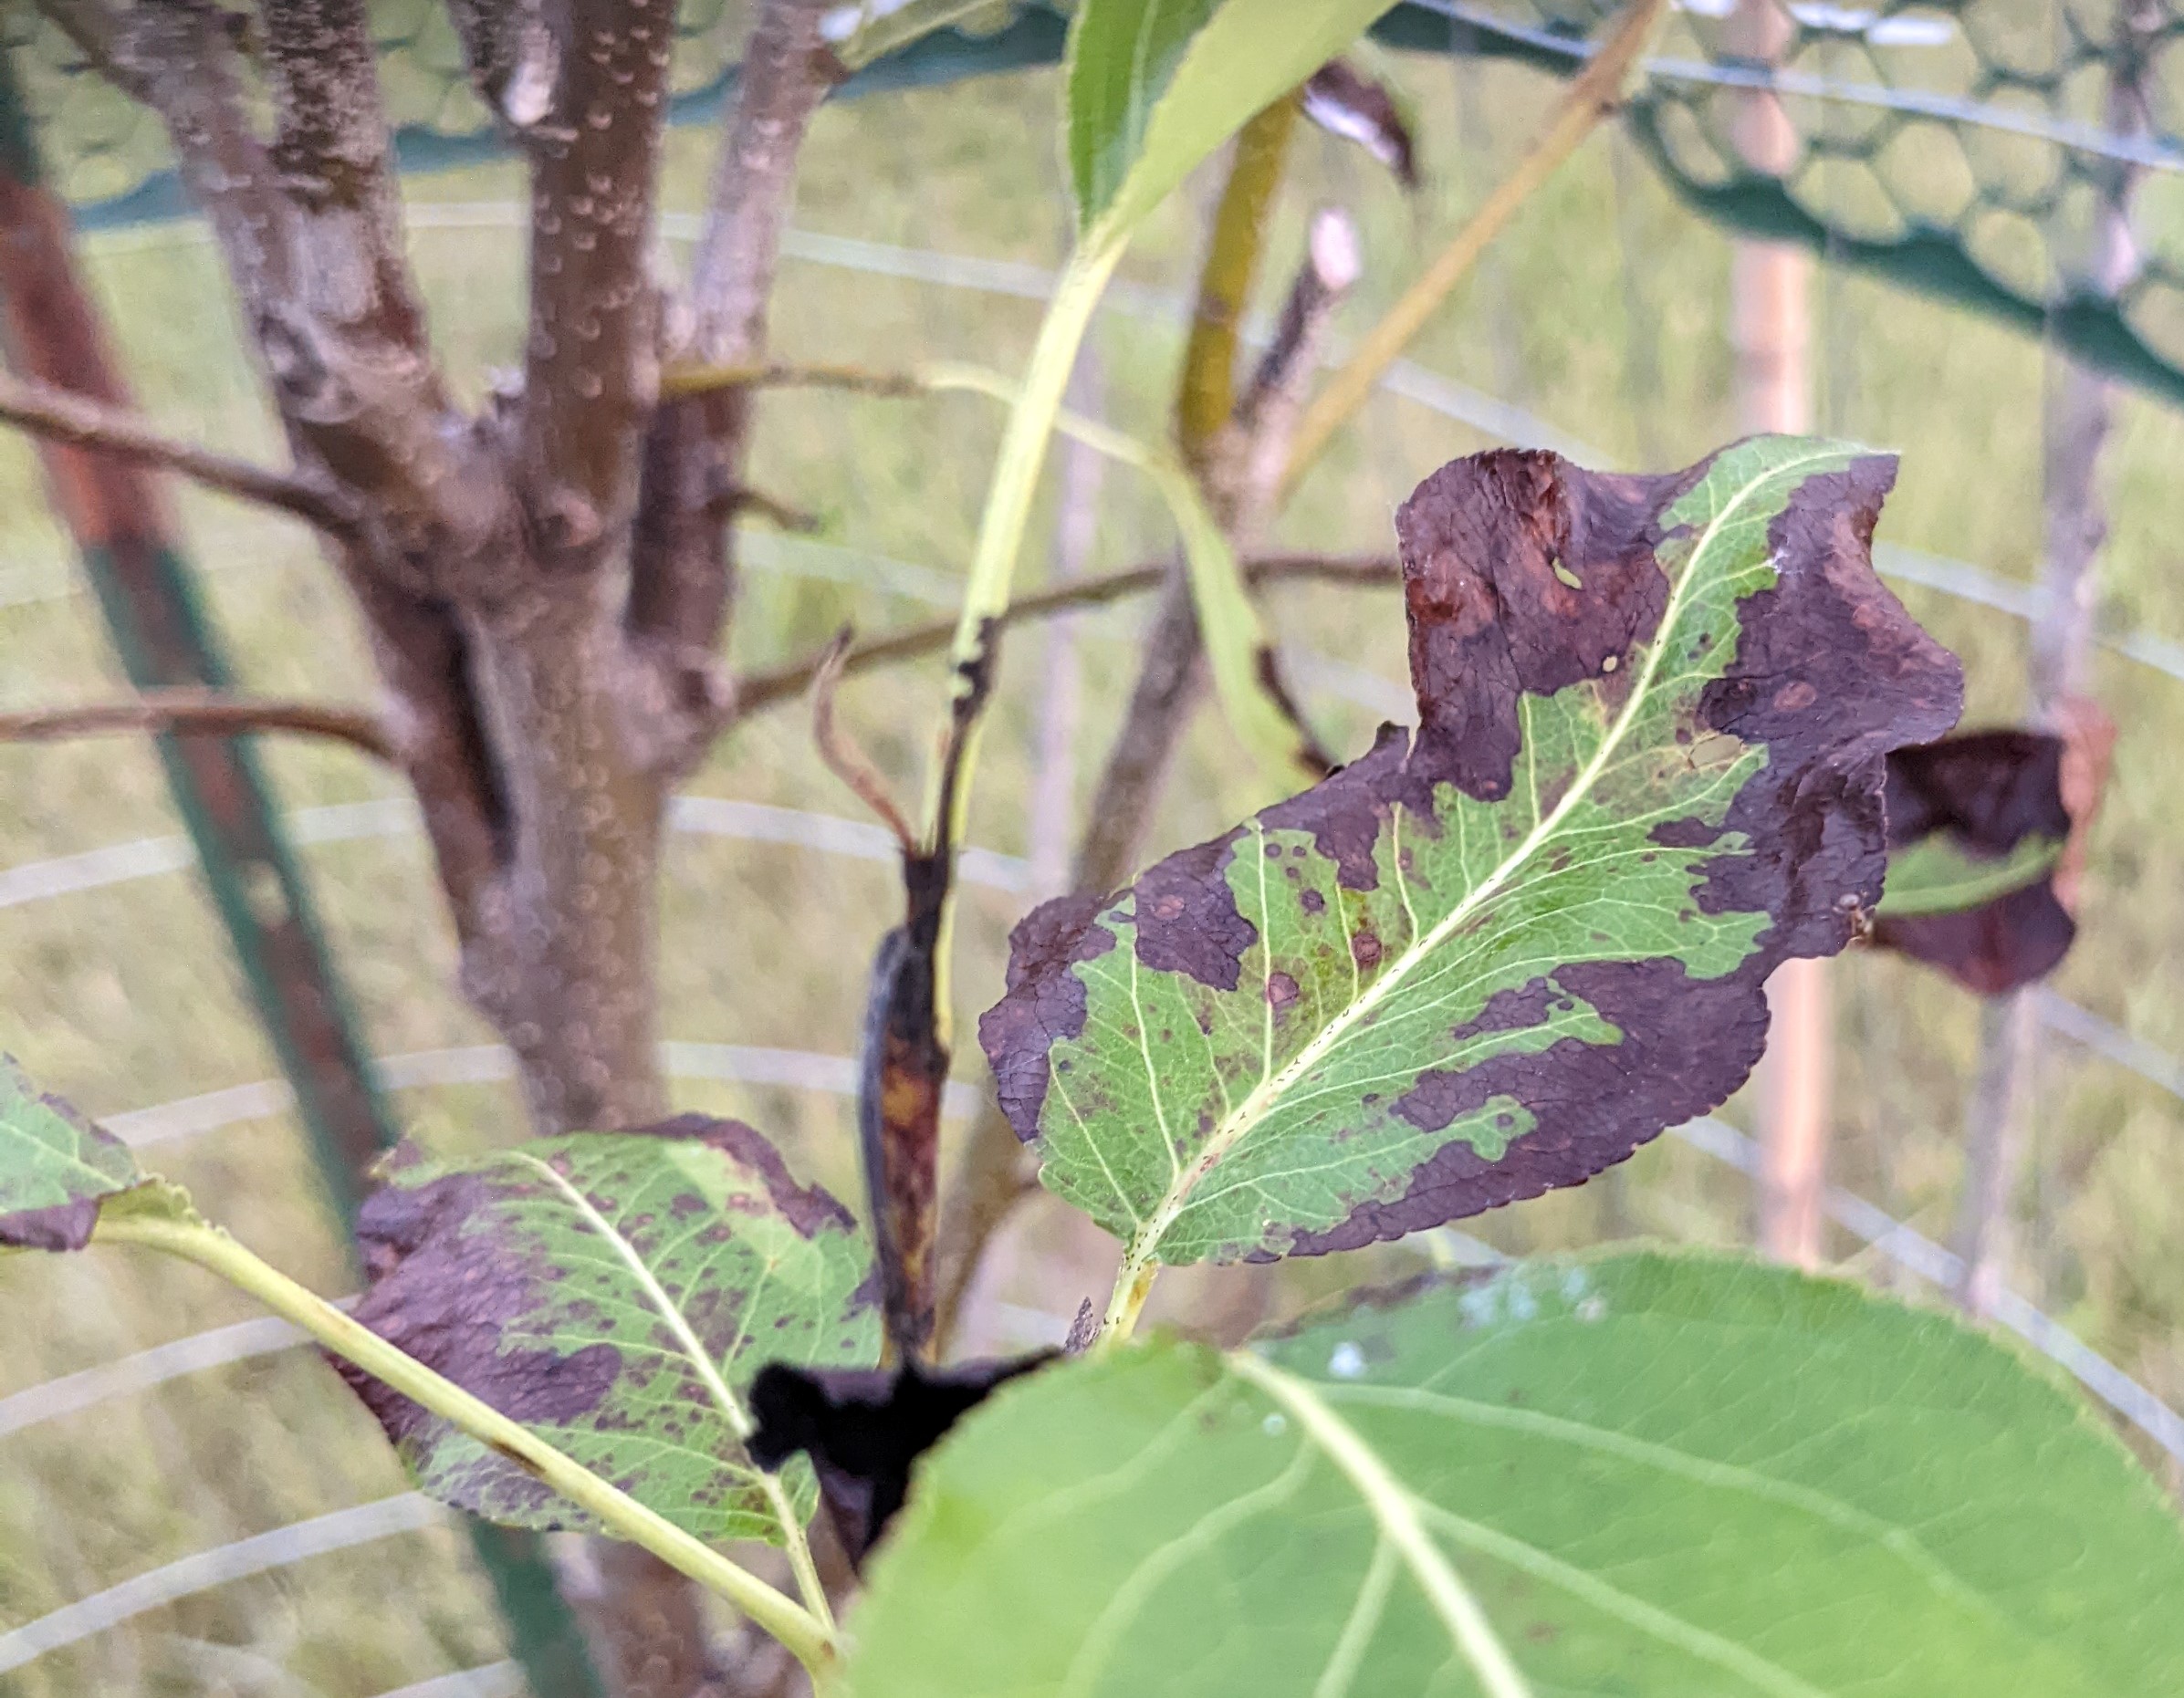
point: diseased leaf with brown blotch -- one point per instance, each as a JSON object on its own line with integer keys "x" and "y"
{"x": 1986, "y": 833}
{"x": 1345, "y": 102}
{"x": 57, "y": 1168}
{"x": 617, "y": 1293}
{"x": 1493, "y": 957}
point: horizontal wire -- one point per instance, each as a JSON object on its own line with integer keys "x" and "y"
{"x": 738, "y": 1063}
{"x": 1020, "y": 280}
{"x": 2155, "y": 153}
{"x": 2111, "y": 1043}
{"x": 343, "y": 1529}
{"x": 140, "y": 1371}
{"x": 392, "y": 816}
{"x": 809, "y": 1071}
{"x": 412, "y": 1512}
{"x": 1911, "y": 1249}
{"x": 490, "y": 1679}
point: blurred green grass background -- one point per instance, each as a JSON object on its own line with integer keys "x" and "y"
{"x": 1602, "y": 311}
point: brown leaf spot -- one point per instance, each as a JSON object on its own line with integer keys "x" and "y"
{"x": 1686, "y": 833}
{"x": 809, "y": 1209}
{"x": 1510, "y": 1011}
{"x": 61, "y": 1226}
{"x": 1345, "y": 813}
{"x": 1491, "y": 617}
{"x": 1045, "y": 1002}
{"x": 1187, "y": 920}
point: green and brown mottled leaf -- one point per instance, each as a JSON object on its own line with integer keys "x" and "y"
{"x": 1986, "y": 834}
{"x": 57, "y": 1168}
{"x": 616, "y": 1293}
{"x": 1651, "y": 1476}
{"x": 1494, "y": 956}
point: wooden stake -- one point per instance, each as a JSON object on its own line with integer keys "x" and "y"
{"x": 1770, "y": 330}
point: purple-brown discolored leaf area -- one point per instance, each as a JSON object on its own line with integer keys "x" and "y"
{"x": 1985, "y": 836}
{"x": 1496, "y": 954}
{"x": 1982, "y": 794}
{"x": 616, "y": 1293}
{"x": 57, "y": 1167}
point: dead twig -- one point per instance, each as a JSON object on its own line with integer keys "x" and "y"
{"x": 204, "y": 712}
{"x": 84, "y": 424}
{"x": 685, "y": 382}
{"x": 756, "y": 691}
{"x": 775, "y": 512}
{"x": 839, "y": 750}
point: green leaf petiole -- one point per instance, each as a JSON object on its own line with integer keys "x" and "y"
{"x": 813, "y": 1643}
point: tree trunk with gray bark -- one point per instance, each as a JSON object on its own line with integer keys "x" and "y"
{"x": 545, "y": 584}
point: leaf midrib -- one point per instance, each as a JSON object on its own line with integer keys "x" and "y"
{"x": 1705, "y": 1471}
{"x": 1394, "y": 1508}
{"x": 668, "y": 1309}
{"x": 1271, "y": 1090}
{"x": 1402, "y": 1513}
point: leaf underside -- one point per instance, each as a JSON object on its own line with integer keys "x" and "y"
{"x": 1495, "y": 956}
{"x": 1659, "y": 1476}
{"x": 1976, "y": 827}
{"x": 616, "y": 1293}
{"x": 57, "y": 1168}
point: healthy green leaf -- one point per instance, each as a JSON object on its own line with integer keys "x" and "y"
{"x": 57, "y": 1168}
{"x": 616, "y": 1293}
{"x": 1154, "y": 86}
{"x": 1495, "y": 958}
{"x": 1653, "y": 1475}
